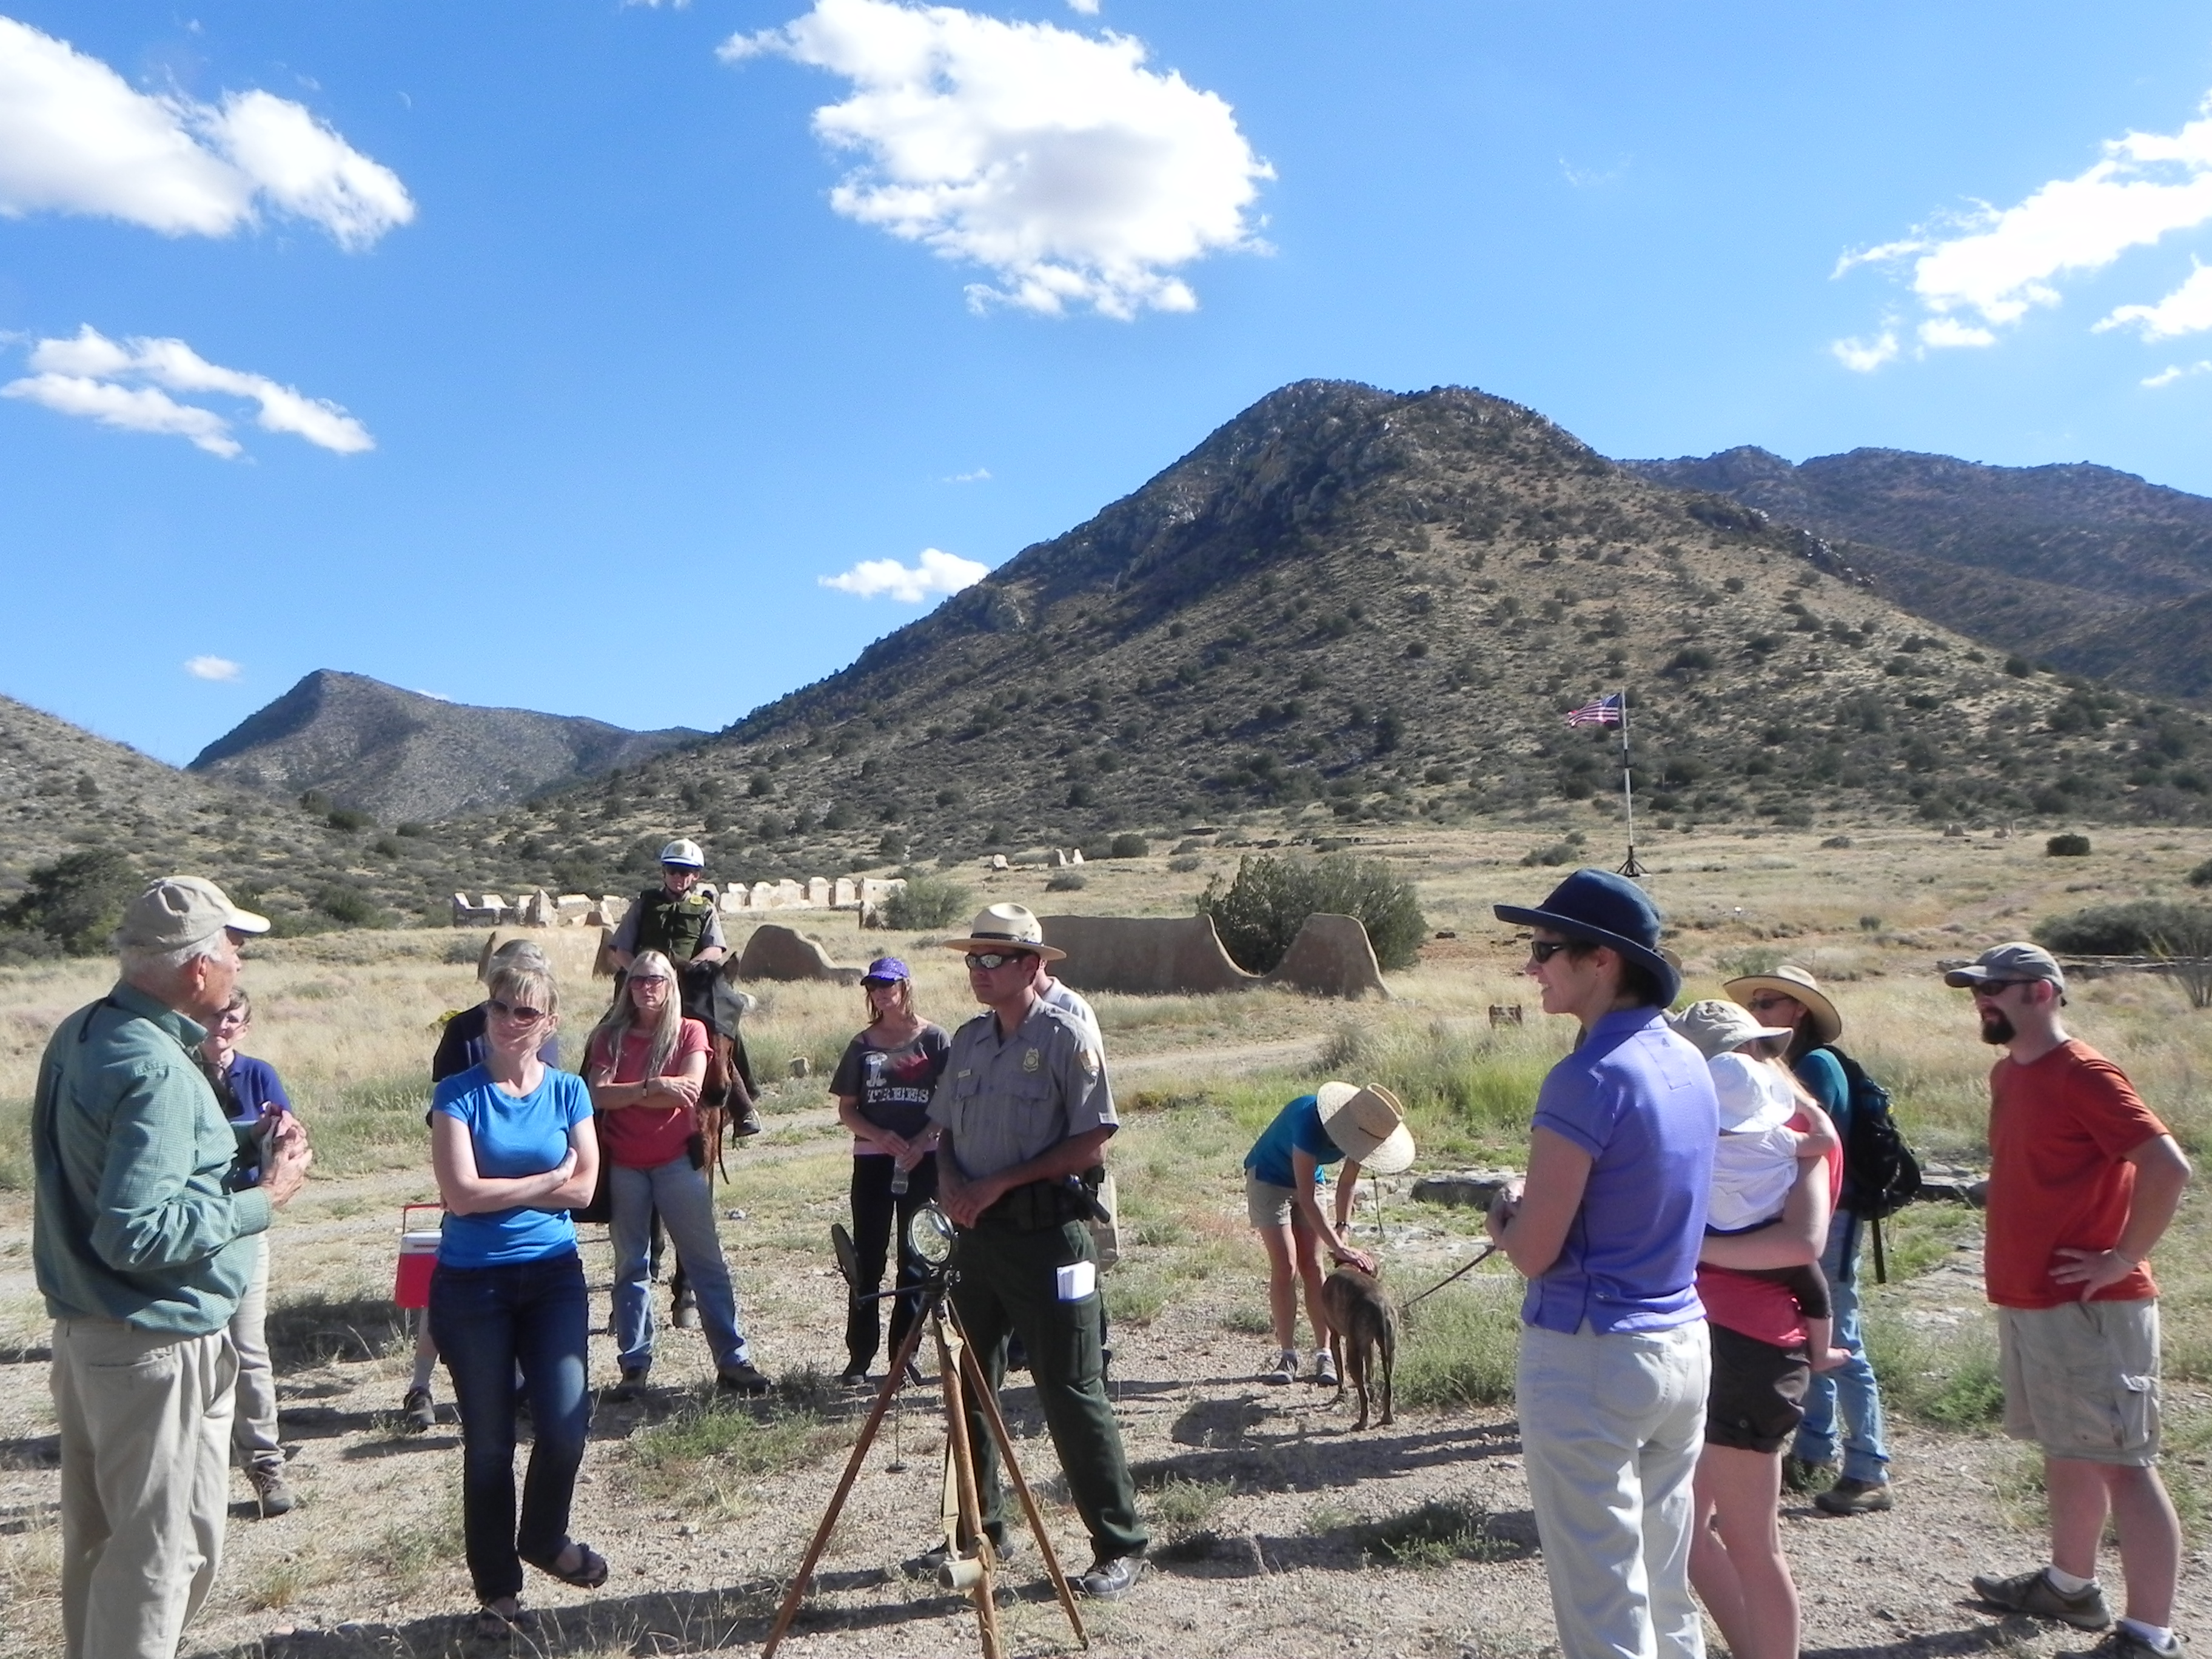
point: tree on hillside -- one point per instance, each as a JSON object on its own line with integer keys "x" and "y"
{"x": 78, "y": 900}
{"x": 1260, "y": 911}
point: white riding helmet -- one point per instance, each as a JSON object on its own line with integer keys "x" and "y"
{"x": 686, "y": 854}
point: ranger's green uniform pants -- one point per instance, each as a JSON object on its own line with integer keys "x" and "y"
{"x": 1009, "y": 1281}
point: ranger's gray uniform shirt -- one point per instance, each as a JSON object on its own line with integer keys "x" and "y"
{"x": 1006, "y": 1103}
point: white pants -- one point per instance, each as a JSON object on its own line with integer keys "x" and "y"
{"x": 145, "y": 1441}
{"x": 1611, "y": 1427}
{"x": 253, "y": 1424}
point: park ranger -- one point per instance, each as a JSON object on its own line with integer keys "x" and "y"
{"x": 1024, "y": 1112}
{"x": 678, "y": 918}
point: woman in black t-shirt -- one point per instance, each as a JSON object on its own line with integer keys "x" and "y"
{"x": 883, "y": 1086}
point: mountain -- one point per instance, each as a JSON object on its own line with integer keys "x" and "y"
{"x": 64, "y": 790}
{"x": 2083, "y": 567}
{"x": 402, "y": 756}
{"x": 1347, "y": 606}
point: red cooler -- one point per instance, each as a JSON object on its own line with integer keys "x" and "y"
{"x": 418, "y": 1255}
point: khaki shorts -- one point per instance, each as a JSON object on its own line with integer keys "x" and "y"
{"x": 2082, "y": 1381}
{"x": 1266, "y": 1204}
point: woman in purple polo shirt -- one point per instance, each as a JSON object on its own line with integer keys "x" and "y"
{"x": 1607, "y": 1227}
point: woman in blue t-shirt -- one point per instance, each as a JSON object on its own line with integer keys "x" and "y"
{"x": 1366, "y": 1129}
{"x": 515, "y": 1151}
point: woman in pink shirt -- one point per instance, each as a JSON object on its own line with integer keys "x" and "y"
{"x": 645, "y": 1064}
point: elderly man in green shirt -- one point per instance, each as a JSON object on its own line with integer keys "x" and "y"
{"x": 142, "y": 1250}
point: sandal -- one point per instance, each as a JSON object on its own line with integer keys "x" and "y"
{"x": 589, "y": 1572}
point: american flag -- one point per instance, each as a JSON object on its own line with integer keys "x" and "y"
{"x": 1606, "y": 711}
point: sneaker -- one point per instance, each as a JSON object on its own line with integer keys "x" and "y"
{"x": 417, "y": 1414}
{"x": 744, "y": 1377}
{"x": 632, "y": 1385}
{"x": 1110, "y": 1578}
{"x": 267, "y": 1481}
{"x": 1850, "y": 1496}
{"x": 2032, "y": 1593}
{"x": 1802, "y": 1474}
{"x": 1324, "y": 1368}
{"x": 1284, "y": 1370}
{"x": 2121, "y": 1642}
{"x": 853, "y": 1376}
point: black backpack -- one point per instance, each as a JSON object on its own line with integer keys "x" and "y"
{"x": 1880, "y": 1175}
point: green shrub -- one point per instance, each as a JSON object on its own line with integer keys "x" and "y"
{"x": 349, "y": 818}
{"x": 1067, "y": 881}
{"x": 1558, "y": 853}
{"x": 926, "y": 901}
{"x": 2139, "y": 927}
{"x": 1183, "y": 863}
{"x": 1127, "y": 846}
{"x": 1459, "y": 1348}
{"x": 2202, "y": 875}
{"x": 2067, "y": 846}
{"x": 77, "y": 900}
{"x": 1260, "y": 912}
{"x": 349, "y": 907}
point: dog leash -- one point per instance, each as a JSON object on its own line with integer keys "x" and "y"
{"x": 1481, "y": 1256}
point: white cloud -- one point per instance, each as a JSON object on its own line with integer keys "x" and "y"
{"x": 1088, "y": 8}
{"x": 85, "y": 375}
{"x": 1055, "y": 159}
{"x": 935, "y": 572}
{"x": 2187, "y": 310}
{"x": 1865, "y": 355}
{"x": 1941, "y": 333}
{"x": 74, "y": 137}
{"x": 1997, "y": 264}
{"x": 2174, "y": 371}
{"x": 981, "y": 475}
{"x": 212, "y": 668}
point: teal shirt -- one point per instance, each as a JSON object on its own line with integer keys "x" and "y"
{"x": 134, "y": 1219}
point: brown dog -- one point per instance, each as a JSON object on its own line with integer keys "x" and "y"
{"x": 1361, "y": 1323}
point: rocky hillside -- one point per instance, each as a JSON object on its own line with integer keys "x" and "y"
{"x": 1348, "y": 605}
{"x": 2090, "y": 569}
{"x": 401, "y": 757}
{"x": 64, "y": 790}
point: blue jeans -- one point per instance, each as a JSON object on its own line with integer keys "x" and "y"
{"x": 686, "y": 1205}
{"x": 486, "y": 1321}
{"x": 1851, "y": 1387}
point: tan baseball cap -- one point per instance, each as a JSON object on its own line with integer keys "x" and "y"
{"x": 178, "y": 911}
{"x": 1713, "y": 1027}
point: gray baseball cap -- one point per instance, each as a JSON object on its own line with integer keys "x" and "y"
{"x": 2016, "y": 961}
{"x": 178, "y": 911}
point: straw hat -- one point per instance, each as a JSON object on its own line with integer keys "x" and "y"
{"x": 1369, "y": 1124}
{"x": 998, "y": 927}
{"x": 1793, "y": 982}
{"x": 1714, "y": 1028}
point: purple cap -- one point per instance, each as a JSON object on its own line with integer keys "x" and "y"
{"x": 885, "y": 971}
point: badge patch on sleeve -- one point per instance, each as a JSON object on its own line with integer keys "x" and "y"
{"x": 1090, "y": 1062}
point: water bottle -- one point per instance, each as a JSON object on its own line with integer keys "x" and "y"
{"x": 902, "y": 1177}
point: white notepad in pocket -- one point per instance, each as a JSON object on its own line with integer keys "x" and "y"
{"x": 1077, "y": 1279}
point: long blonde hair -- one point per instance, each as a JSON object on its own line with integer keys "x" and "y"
{"x": 624, "y": 1017}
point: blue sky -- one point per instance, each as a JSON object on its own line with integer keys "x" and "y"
{"x": 554, "y": 354}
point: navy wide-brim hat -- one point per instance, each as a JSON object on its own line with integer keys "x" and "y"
{"x": 1607, "y": 909}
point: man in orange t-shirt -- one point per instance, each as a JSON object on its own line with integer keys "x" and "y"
{"x": 2083, "y": 1180}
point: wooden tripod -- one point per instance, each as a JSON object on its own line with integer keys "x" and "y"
{"x": 969, "y": 1562}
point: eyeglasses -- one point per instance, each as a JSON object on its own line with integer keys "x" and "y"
{"x": 991, "y": 959}
{"x": 661, "y": 980}
{"x": 1541, "y": 951}
{"x": 520, "y": 1015}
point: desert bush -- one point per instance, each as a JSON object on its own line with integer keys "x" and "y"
{"x": 1127, "y": 846}
{"x": 2067, "y": 846}
{"x": 1752, "y": 959}
{"x": 1459, "y": 1347}
{"x": 77, "y": 900}
{"x": 1183, "y": 863}
{"x": 1260, "y": 912}
{"x": 2202, "y": 875}
{"x": 926, "y": 901}
{"x": 1067, "y": 881}
{"x": 1558, "y": 853}
{"x": 349, "y": 907}
{"x": 2138, "y": 927}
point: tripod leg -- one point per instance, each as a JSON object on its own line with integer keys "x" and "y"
{"x": 997, "y": 1423}
{"x": 949, "y": 1354}
{"x": 797, "y": 1593}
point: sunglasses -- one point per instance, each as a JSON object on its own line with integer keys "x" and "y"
{"x": 1991, "y": 987}
{"x": 514, "y": 1012}
{"x": 1541, "y": 951}
{"x": 990, "y": 959}
{"x": 661, "y": 980}
{"x": 1765, "y": 999}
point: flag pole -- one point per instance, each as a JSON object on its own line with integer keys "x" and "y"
{"x": 1631, "y": 869}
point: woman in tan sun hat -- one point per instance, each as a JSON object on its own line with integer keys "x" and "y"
{"x": 1364, "y": 1128}
{"x": 1789, "y": 996}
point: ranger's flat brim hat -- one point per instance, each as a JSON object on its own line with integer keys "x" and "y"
{"x": 1368, "y": 1124}
{"x": 1007, "y": 927}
